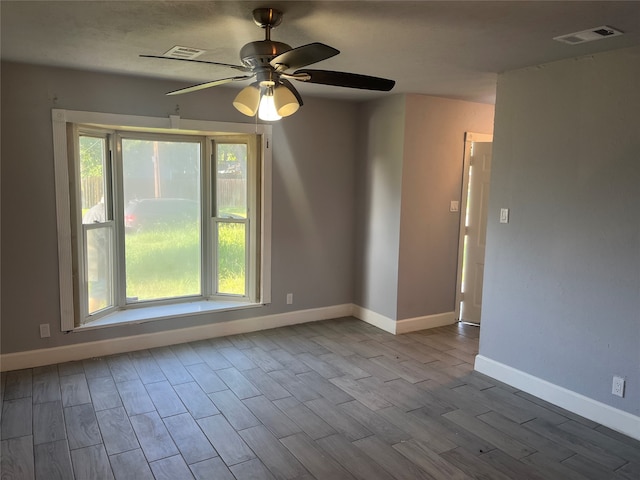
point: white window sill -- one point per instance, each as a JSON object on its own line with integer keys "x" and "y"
{"x": 161, "y": 312}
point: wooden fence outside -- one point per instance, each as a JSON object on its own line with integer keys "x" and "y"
{"x": 231, "y": 192}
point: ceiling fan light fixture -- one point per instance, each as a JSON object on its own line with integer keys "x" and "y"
{"x": 247, "y": 100}
{"x": 267, "y": 109}
{"x": 285, "y": 101}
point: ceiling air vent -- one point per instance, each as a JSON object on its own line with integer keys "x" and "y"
{"x": 595, "y": 33}
{"x": 183, "y": 52}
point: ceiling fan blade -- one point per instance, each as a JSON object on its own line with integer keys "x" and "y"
{"x": 350, "y": 80}
{"x": 288, "y": 84}
{"x": 237, "y": 67}
{"x": 303, "y": 56}
{"x": 202, "y": 86}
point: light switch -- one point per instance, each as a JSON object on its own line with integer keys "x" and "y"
{"x": 504, "y": 215}
{"x": 454, "y": 206}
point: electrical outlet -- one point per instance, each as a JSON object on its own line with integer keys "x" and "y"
{"x": 289, "y": 298}
{"x": 618, "y": 386}
{"x": 44, "y": 330}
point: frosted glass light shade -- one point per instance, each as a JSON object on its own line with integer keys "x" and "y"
{"x": 267, "y": 110}
{"x": 285, "y": 102}
{"x": 247, "y": 100}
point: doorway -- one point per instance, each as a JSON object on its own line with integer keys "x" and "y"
{"x": 473, "y": 226}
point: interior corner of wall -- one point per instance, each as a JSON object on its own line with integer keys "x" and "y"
{"x": 373, "y": 318}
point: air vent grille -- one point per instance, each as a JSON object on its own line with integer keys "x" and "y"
{"x": 595, "y": 33}
{"x": 183, "y": 52}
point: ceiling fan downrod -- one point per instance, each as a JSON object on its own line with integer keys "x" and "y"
{"x": 267, "y": 18}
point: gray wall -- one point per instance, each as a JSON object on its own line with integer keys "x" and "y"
{"x": 379, "y": 193}
{"x": 562, "y": 279}
{"x": 409, "y": 171}
{"x": 313, "y": 201}
{"x": 431, "y": 178}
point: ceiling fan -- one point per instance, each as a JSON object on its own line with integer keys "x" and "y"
{"x": 272, "y": 95}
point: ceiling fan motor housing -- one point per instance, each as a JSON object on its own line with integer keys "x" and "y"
{"x": 259, "y": 54}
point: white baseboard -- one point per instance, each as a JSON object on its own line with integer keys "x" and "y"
{"x": 80, "y": 351}
{"x": 599, "y": 412}
{"x": 375, "y": 319}
{"x": 422, "y": 323}
{"x": 403, "y": 326}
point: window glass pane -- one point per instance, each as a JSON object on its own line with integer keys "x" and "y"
{"x": 231, "y": 180}
{"x": 92, "y": 176}
{"x": 161, "y": 187}
{"x": 231, "y": 258}
{"x": 99, "y": 251}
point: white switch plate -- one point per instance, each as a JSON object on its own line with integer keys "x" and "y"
{"x": 504, "y": 215}
{"x": 289, "y": 298}
{"x": 454, "y": 206}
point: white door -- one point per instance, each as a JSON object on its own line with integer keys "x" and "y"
{"x": 474, "y": 227}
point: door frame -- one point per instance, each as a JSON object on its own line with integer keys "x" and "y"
{"x": 469, "y": 138}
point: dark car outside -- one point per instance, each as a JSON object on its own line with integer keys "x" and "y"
{"x": 160, "y": 212}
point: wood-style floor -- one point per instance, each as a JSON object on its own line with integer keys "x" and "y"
{"x": 330, "y": 400}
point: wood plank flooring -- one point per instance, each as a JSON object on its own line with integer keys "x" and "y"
{"x": 332, "y": 400}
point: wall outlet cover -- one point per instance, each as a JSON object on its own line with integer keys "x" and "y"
{"x": 44, "y": 330}
{"x": 618, "y": 386}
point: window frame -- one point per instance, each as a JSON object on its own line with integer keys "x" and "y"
{"x": 258, "y": 276}
{"x": 252, "y": 234}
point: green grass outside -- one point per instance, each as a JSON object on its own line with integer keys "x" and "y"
{"x": 165, "y": 262}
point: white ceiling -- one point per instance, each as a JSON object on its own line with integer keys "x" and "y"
{"x": 446, "y": 48}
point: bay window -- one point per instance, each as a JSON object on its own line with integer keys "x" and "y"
{"x": 159, "y": 212}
